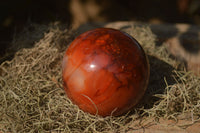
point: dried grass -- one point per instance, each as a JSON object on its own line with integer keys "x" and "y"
{"x": 32, "y": 98}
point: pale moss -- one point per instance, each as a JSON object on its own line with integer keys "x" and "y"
{"x": 32, "y": 98}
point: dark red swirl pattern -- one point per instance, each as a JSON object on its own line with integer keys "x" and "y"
{"x": 105, "y": 72}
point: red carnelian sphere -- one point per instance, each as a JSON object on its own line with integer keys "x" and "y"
{"x": 105, "y": 72}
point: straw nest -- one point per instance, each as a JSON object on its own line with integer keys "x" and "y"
{"x": 32, "y": 98}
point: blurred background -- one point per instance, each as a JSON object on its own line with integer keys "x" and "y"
{"x": 16, "y": 14}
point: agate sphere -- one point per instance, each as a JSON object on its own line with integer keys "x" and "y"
{"x": 105, "y": 72}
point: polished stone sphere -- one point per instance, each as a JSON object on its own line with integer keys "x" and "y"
{"x": 105, "y": 72}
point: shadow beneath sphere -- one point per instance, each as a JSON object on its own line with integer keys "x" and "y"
{"x": 160, "y": 75}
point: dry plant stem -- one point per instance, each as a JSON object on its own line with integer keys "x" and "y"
{"x": 32, "y": 98}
